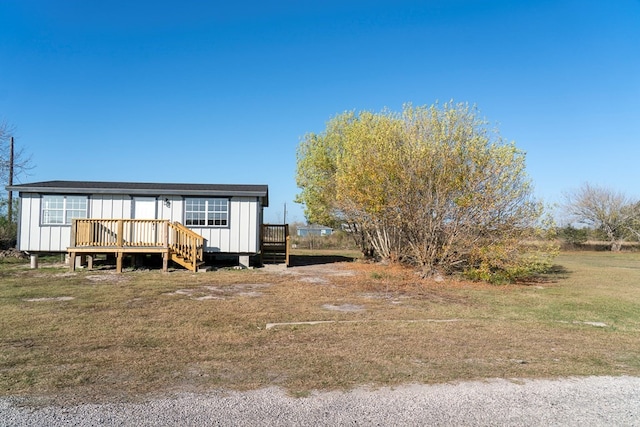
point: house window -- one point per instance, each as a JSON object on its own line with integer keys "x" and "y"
{"x": 207, "y": 212}
{"x": 58, "y": 210}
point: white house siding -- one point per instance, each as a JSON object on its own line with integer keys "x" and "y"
{"x": 240, "y": 237}
{"x": 242, "y": 234}
{"x": 36, "y": 238}
{"x": 109, "y": 206}
{"x": 174, "y": 211}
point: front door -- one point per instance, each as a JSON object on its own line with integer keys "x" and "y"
{"x": 144, "y": 233}
{"x": 144, "y": 208}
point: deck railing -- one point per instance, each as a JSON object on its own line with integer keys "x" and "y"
{"x": 186, "y": 243}
{"x": 120, "y": 235}
{"x": 275, "y": 243}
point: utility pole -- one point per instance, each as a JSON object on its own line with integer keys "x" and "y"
{"x": 284, "y": 219}
{"x": 10, "y": 201}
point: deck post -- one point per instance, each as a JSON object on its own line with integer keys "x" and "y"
{"x": 194, "y": 255}
{"x": 74, "y": 228}
{"x": 119, "y": 256}
{"x": 90, "y": 261}
{"x": 119, "y": 239}
{"x": 72, "y": 261}
{"x": 165, "y": 261}
{"x": 166, "y": 234}
{"x": 287, "y": 249}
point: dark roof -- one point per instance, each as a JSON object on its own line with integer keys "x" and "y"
{"x": 145, "y": 188}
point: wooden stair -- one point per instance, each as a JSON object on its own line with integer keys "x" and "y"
{"x": 188, "y": 264}
{"x": 275, "y": 244}
{"x": 185, "y": 247}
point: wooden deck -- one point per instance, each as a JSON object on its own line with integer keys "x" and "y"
{"x": 275, "y": 244}
{"x": 174, "y": 241}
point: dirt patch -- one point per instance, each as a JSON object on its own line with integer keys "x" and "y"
{"x": 588, "y": 323}
{"x": 67, "y": 274}
{"x": 344, "y": 307}
{"x": 49, "y": 299}
{"x": 316, "y": 274}
{"x": 113, "y": 277}
{"x": 214, "y": 292}
{"x": 315, "y": 280}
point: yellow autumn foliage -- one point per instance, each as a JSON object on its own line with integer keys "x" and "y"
{"x": 429, "y": 185}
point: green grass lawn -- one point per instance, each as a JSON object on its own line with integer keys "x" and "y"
{"x": 96, "y": 335}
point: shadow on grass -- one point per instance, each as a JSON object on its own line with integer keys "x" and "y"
{"x": 306, "y": 260}
{"x": 555, "y": 273}
{"x": 558, "y": 270}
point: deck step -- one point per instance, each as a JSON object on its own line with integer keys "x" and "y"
{"x": 186, "y": 263}
{"x": 274, "y": 257}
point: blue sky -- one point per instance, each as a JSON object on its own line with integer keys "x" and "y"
{"x": 223, "y": 92}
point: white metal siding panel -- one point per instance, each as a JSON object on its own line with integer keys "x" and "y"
{"x": 64, "y": 238}
{"x": 127, "y": 207}
{"x": 235, "y": 225}
{"x": 33, "y": 224}
{"x": 254, "y": 222}
{"x": 241, "y": 236}
{"x": 122, "y": 207}
{"x": 30, "y": 230}
{"x": 35, "y": 237}
{"x": 214, "y": 241}
{"x": 24, "y": 231}
{"x": 225, "y": 239}
{"x": 43, "y": 239}
{"x": 107, "y": 206}
{"x": 248, "y": 230}
{"x": 245, "y": 229}
{"x": 54, "y": 238}
{"x": 242, "y": 226}
{"x": 173, "y": 212}
{"x": 217, "y": 239}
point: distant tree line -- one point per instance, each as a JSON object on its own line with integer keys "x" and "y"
{"x": 601, "y": 213}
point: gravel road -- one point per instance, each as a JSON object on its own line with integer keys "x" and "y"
{"x": 591, "y": 401}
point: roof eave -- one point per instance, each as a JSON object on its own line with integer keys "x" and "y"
{"x": 142, "y": 191}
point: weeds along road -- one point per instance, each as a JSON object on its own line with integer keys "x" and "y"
{"x": 592, "y": 401}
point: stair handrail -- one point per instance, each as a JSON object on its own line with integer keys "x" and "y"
{"x": 186, "y": 243}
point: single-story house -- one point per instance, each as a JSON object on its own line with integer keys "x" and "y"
{"x": 181, "y": 221}
{"x": 314, "y": 230}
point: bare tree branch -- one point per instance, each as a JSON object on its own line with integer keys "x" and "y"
{"x": 22, "y": 162}
{"x": 603, "y": 209}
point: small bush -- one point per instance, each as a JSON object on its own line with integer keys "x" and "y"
{"x": 573, "y": 236}
{"x": 8, "y": 233}
{"x": 501, "y": 264}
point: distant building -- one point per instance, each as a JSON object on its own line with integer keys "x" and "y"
{"x": 314, "y": 230}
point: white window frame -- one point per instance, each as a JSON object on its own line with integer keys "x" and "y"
{"x": 206, "y": 212}
{"x": 59, "y": 209}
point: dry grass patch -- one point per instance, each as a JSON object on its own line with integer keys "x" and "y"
{"x": 148, "y": 332}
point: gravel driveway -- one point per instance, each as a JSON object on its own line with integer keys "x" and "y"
{"x": 591, "y": 401}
